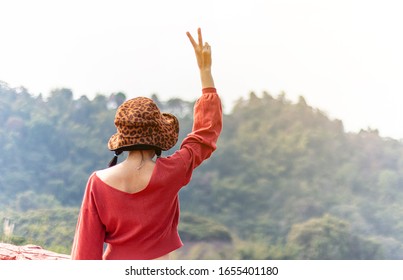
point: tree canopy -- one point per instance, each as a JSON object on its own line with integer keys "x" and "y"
{"x": 286, "y": 181}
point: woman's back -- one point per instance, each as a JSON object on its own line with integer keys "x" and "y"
{"x": 132, "y": 175}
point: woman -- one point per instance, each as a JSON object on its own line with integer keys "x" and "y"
{"x": 133, "y": 206}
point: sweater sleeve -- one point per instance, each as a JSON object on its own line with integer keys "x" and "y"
{"x": 90, "y": 232}
{"x": 207, "y": 125}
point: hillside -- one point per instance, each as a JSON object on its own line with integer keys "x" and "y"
{"x": 280, "y": 166}
{"x": 286, "y": 180}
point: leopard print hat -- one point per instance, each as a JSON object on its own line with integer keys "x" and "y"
{"x": 140, "y": 122}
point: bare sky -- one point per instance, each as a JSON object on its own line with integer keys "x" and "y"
{"x": 345, "y": 57}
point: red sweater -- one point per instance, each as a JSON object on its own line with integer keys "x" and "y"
{"x": 144, "y": 225}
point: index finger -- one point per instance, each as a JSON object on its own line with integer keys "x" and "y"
{"x": 191, "y": 39}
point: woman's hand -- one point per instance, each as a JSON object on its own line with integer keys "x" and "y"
{"x": 203, "y": 52}
{"x": 203, "y": 56}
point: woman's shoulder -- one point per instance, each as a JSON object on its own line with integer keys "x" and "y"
{"x": 174, "y": 160}
{"x": 109, "y": 173}
{"x": 103, "y": 173}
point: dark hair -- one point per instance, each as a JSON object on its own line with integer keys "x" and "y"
{"x": 119, "y": 151}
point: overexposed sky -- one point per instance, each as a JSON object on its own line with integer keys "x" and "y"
{"x": 345, "y": 57}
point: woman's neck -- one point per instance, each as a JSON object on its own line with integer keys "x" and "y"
{"x": 137, "y": 159}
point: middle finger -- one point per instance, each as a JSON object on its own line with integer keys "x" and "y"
{"x": 200, "y": 37}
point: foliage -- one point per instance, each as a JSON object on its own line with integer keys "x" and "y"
{"x": 286, "y": 182}
{"x": 52, "y": 229}
{"x": 329, "y": 238}
{"x": 195, "y": 229}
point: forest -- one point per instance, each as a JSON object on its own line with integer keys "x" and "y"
{"x": 286, "y": 181}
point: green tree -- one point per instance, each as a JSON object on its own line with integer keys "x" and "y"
{"x": 30, "y": 200}
{"x": 329, "y": 238}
